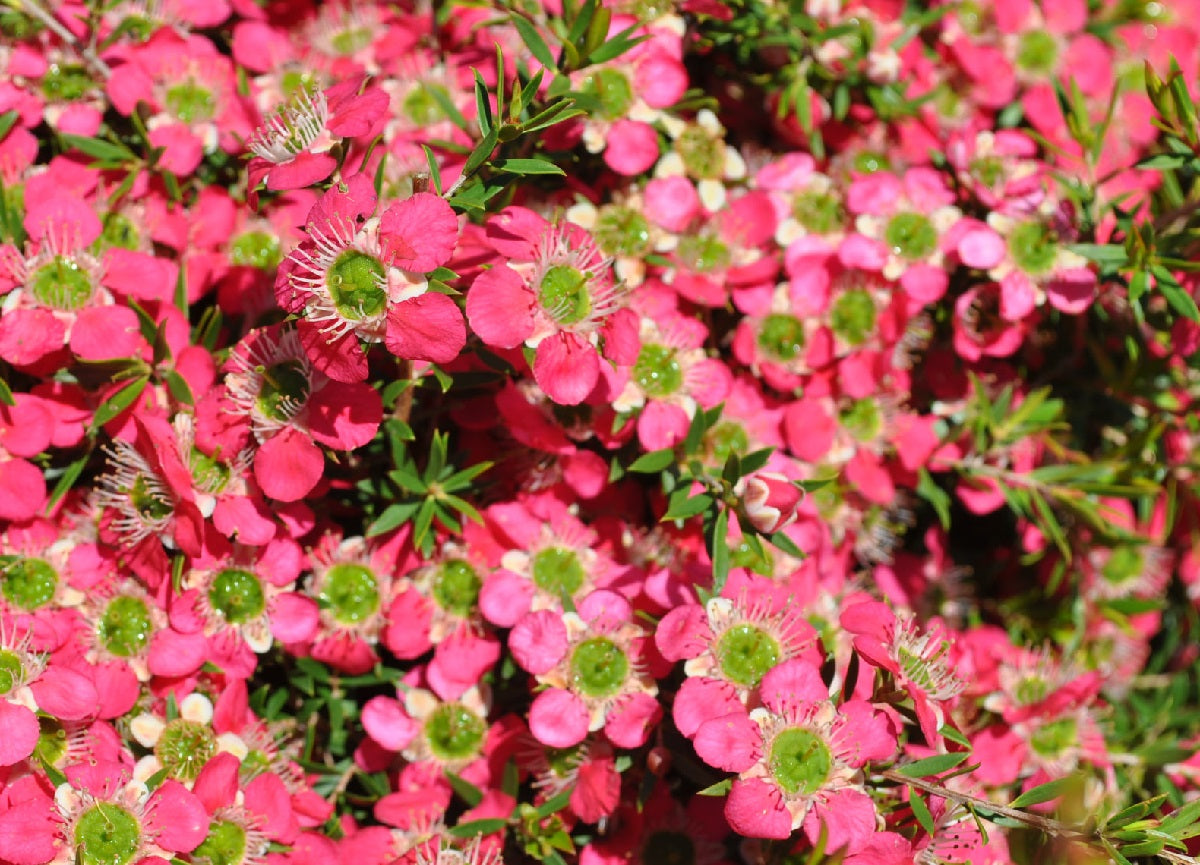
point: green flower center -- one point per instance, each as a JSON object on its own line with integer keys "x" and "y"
{"x": 11, "y": 670}
{"x": 703, "y": 253}
{"x": 422, "y": 105}
{"x": 52, "y": 741}
{"x": 988, "y": 170}
{"x": 668, "y": 848}
{"x": 66, "y": 83}
{"x": 1031, "y": 690}
{"x": 292, "y": 82}
{"x": 910, "y": 236}
{"x": 210, "y": 474}
{"x": 1033, "y": 247}
{"x": 454, "y": 732}
{"x": 1054, "y": 738}
{"x": 119, "y": 231}
{"x": 124, "y": 629}
{"x": 1124, "y": 564}
{"x": 746, "y": 654}
{"x": 27, "y": 584}
{"x": 456, "y": 587}
{"x": 1037, "y": 52}
{"x": 612, "y": 90}
{"x": 351, "y": 40}
{"x": 657, "y": 370}
{"x": 149, "y": 500}
{"x": 726, "y": 438}
{"x": 862, "y": 420}
{"x": 237, "y": 595}
{"x": 184, "y": 747}
{"x": 870, "y": 161}
{"x": 703, "y": 154}
{"x": 563, "y": 294}
{"x": 558, "y": 571}
{"x": 107, "y": 834}
{"x": 622, "y": 231}
{"x": 852, "y": 316}
{"x": 918, "y": 670}
{"x": 357, "y": 285}
{"x": 819, "y": 212}
{"x": 781, "y": 336}
{"x": 800, "y": 761}
{"x": 285, "y": 389}
{"x": 350, "y": 592}
{"x": 598, "y": 667}
{"x": 258, "y": 249}
{"x": 225, "y": 845}
{"x": 254, "y": 764}
{"x": 191, "y": 103}
{"x": 62, "y": 284}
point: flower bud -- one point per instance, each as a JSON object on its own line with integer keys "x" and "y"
{"x": 769, "y": 501}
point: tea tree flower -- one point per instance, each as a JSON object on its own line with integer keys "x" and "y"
{"x": 799, "y": 759}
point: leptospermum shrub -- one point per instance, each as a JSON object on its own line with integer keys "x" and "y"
{"x": 599, "y": 432}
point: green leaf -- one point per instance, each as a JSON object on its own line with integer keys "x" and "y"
{"x": 466, "y": 791}
{"x": 1103, "y": 254}
{"x": 529, "y": 166}
{"x": 118, "y": 402}
{"x": 479, "y": 827}
{"x": 718, "y": 549}
{"x": 483, "y": 104}
{"x": 179, "y": 388}
{"x": 1176, "y": 295}
{"x": 653, "y": 462}
{"x": 6, "y": 394}
{"x": 754, "y": 461}
{"x": 98, "y": 148}
{"x": 683, "y": 505}
{"x": 934, "y": 765}
{"x": 1043, "y": 793}
{"x": 533, "y": 41}
{"x": 442, "y": 98}
{"x": 393, "y": 517}
{"x": 554, "y": 805}
{"x": 616, "y": 46}
{"x": 937, "y": 497}
{"x": 435, "y": 173}
{"x": 718, "y": 789}
{"x": 920, "y": 811}
{"x": 65, "y": 481}
{"x": 1164, "y": 160}
{"x": 7, "y": 121}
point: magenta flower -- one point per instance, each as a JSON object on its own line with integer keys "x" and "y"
{"x": 360, "y": 279}
{"x": 729, "y": 645}
{"x": 120, "y": 816}
{"x": 591, "y": 665}
{"x": 919, "y": 662}
{"x": 799, "y": 760}
{"x": 556, "y": 295}
{"x": 291, "y": 408}
{"x": 291, "y": 149}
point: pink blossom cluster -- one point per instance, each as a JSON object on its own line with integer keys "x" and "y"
{"x": 245, "y": 290}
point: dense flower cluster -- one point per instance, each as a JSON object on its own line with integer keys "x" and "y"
{"x": 616, "y": 432}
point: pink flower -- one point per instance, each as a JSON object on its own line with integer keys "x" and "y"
{"x": 361, "y": 279}
{"x": 292, "y": 408}
{"x": 919, "y": 662}
{"x": 590, "y": 662}
{"x": 291, "y": 150}
{"x": 729, "y": 646}
{"x": 555, "y": 295}
{"x": 798, "y": 760}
